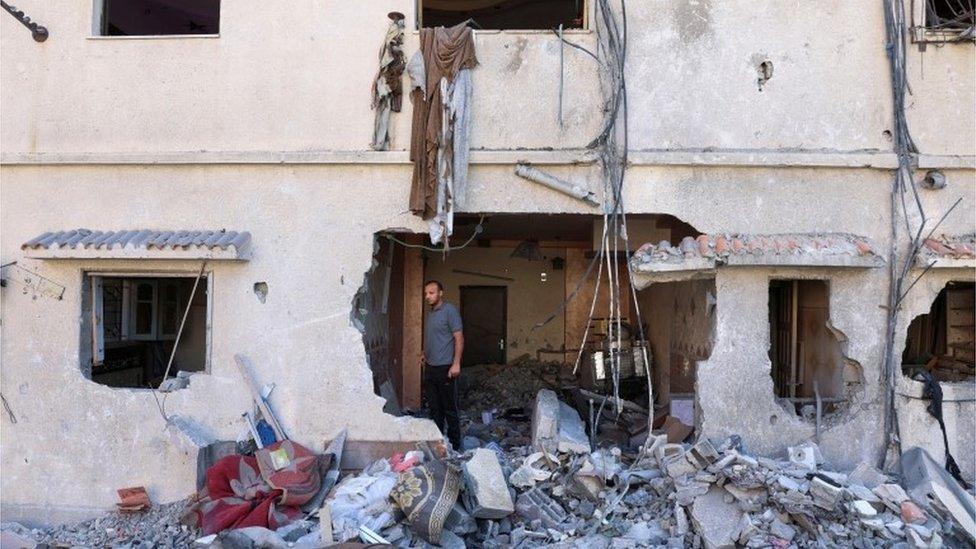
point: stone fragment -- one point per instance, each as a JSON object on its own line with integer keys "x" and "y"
{"x": 572, "y": 431}
{"x": 536, "y": 505}
{"x": 915, "y": 540}
{"x": 646, "y": 533}
{"x": 459, "y": 521}
{"x": 912, "y": 513}
{"x": 666, "y": 452}
{"x": 804, "y": 455}
{"x": 750, "y": 497}
{"x": 680, "y": 520}
{"x": 679, "y": 466}
{"x": 892, "y": 495}
{"x": 545, "y": 421}
{"x": 702, "y": 454}
{"x": 470, "y": 443}
{"x": 787, "y": 483}
{"x": 588, "y": 486}
{"x": 863, "y": 509}
{"x": 450, "y": 540}
{"x": 926, "y": 480}
{"x": 486, "y": 494}
{"x": 867, "y": 475}
{"x": 745, "y": 529}
{"x": 825, "y": 495}
{"x": 714, "y": 519}
{"x": 782, "y": 530}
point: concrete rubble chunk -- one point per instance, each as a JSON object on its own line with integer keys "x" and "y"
{"x": 892, "y": 495}
{"x": 867, "y": 475}
{"x": 912, "y": 513}
{"x": 460, "y": 521}
{"x": 925, "y": 480}
{"x": 646, "y": 533}
{"x": 702, "y": 454}
{"x": 572, "y": 431}
{"x": 782, "y": 530}
{"x": 863, "y": 509}
{"x": 825, "y": 495}
{"x": 486, "y": 494}
{"x": 805, "y": 455}
{"x": 714, "y": 519}
{"x": 545, "y": 421}
{"x": 536, "y": 505}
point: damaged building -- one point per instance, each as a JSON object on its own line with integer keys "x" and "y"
{"x": 767, "y": 233}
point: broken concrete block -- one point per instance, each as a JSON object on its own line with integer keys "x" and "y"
{"x": 486, "y": 493}
{"x": 545, "y": 421}
{"x": 782, "y": 530}
{"x": 892, "y": 495}
{"x": 588, "y": 486}
{"x": 750, "y": 497}
{"x": 867, "y": 475}
{"x": 825, "y": 495}
{"x": 745, "y": 529}
{"x": 646, "y": 533}
{"x": 911, "y": 513}
{"x": 788, "y": 483}
{"x": 460, "y": 521}
{"x": 924, "y": 478}
{"x": 572, "y": 431}
{"x": 863, "y": 509}
{"x": 679, "y": 466}
{"x": 702, "y": 454}
{"x": 714, "y": 519}
{"x": 536, "y": 505}
{"x": 680, "y": 520}
{"x": 804, "y": 456}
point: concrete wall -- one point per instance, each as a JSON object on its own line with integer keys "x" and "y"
{"x": 266, "y": 128}
{"x": 530, "y": 300}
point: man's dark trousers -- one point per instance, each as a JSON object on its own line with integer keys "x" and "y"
{"x": 442, "y": 398}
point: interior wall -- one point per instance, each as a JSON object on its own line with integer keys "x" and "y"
{"x": 530, "y": 300}
{"x": 578, "y": 309}
{"x": 194, "y": 339}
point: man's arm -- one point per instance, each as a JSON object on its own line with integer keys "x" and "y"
{"x": 458, "y": 350}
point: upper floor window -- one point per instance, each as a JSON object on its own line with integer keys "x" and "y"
{"x": 504, "y": 14}
{"x": 944, "y": 20}
{"x": 157, "y": 17}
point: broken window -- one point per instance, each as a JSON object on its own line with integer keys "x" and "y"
{"x": 809, "y": 369}
{"x": 944, "y": 20}
{"x": 157, "y": 17}
{"x": 504, "y": 14}
{"x": 132, "y": 323}
{"x": 942, "y": 341}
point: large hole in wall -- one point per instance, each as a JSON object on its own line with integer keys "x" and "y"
{"x": 133, "y": 327}
{"x": 811, "y": 375}
{"x": 942, "y": 341}
{"x": 504, "y": 14}
{"x": 680, "y": 319}
{"x": 510, "y": 284}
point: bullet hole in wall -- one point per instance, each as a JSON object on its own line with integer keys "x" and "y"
{"x": 765, "y": 71}
{"x": 887, "y": 135}
{"x": 261, "y": 290}
{"x": 934, "y": 179}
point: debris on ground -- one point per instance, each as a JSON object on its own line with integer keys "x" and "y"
{"x": 529, "y": 479}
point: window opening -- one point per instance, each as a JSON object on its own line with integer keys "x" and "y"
{"x": 504, "y": 14}
{"x": 944, "y": 20}
{"x": 942, "y": 340}
{"x": 131, "y": 326}
{"x": 805, "y": 352}
{"x": 159, "y": 17}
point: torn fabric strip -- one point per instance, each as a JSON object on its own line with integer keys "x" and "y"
{"x": 388, "y": 85}
{"x": 441, "y": 94}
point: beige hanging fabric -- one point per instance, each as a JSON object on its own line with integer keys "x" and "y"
{"x": 388, "y": 84}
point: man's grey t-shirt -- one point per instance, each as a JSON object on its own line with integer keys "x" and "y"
{"x": 439, "y": 330}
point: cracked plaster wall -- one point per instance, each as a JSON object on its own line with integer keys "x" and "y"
{"x": 916, "y": 426}
{"x": 298, "y": 81}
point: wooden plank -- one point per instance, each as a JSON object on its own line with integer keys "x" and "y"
{"x": 244, "y": 365}
{"x": 413, "y": 319}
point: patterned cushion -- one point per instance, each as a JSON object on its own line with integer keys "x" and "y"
{"x": 426, "y": 495}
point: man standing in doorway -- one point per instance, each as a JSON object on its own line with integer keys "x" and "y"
{"x": 443, "y": 346}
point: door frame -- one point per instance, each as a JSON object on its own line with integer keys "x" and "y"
{"x": 504, "y": 289}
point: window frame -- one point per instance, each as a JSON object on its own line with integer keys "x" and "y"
{"x": 94, "y": 308}
{"x": 922, "y": 33}
{"x": 98, "y": 25}
{"x": 589, "y": 14}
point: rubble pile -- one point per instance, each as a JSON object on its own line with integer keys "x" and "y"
{"x": 159, "y": 526}
{"x": 534, "y": 480}
{"x": 500, "y": 387}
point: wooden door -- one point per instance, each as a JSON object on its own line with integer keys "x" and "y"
{"x": 484, "y": 318}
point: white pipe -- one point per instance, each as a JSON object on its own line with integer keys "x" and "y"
{"x": 532, "y": 174}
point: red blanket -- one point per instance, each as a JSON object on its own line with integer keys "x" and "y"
{"x": 264, "y": 490}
